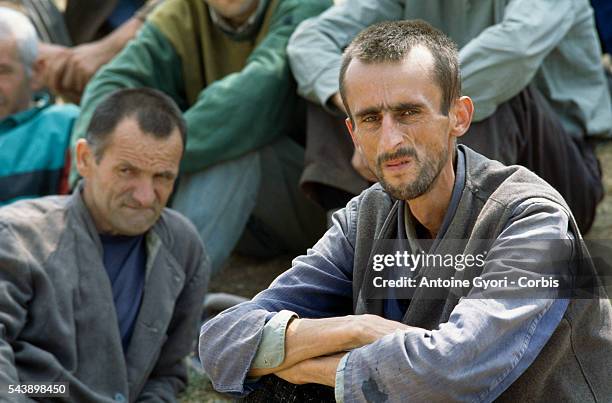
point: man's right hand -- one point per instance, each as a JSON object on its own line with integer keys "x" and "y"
{"x": 310, "y": 338}
{"x": 369, "y": 328}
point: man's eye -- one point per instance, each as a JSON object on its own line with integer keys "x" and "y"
{"x": 125, "y": 171}
{"x": 370, "y": 119}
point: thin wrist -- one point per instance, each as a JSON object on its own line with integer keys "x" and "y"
{"x": 355, "y": 329}
{"x": 118, "y": 39}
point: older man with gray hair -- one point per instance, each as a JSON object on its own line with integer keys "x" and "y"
{"x": 33, "y": 133}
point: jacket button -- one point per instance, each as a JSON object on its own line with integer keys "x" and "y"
{"x": 119, "y": 398}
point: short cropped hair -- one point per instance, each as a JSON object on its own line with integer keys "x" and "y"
{"x": 17, "y": 26}
{"x": 392, "y": 41}
{"x": 156, "y": 113}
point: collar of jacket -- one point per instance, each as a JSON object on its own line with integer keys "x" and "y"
{"x": 41, "y": 101}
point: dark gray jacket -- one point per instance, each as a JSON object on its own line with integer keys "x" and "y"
{"x": 576, "y": 363}
{"x": 57, "y": 316}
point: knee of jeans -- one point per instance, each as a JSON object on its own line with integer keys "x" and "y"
{"x": 223, "y": 180}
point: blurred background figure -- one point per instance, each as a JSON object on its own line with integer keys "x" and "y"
{"x": 225, "y": 64}
{"x": 85, "y": 36}
{"x": 34, "y": 135}
{"x": 603, "y": 18}
{"x": 533, "y": 69}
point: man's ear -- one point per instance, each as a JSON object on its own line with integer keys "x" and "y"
{"x": 85, "y": 158}
{"x": 462, "y": 111}
{"x": 37, "y": 82}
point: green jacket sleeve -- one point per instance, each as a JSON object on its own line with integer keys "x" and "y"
{"x": 248, "y": 109}
{"x": 149, "y": 60}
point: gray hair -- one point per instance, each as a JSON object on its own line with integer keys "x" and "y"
{"x": 17, "y": 26}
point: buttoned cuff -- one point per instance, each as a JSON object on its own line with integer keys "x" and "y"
{"x": 339, "y": 388}
{"x": 271, "y": 350}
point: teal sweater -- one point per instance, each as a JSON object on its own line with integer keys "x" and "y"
{"x": 33, "y": 151}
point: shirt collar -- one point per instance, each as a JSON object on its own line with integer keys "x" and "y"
{"x": 457, "y": 191}
{"x": 41, "y": 102}
{"x": 245, "y": 30}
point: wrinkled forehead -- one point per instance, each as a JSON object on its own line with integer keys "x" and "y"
{"x": 129, "y": 144}
{"x": 418, "y": 61}
{"x": 412, "y": 78}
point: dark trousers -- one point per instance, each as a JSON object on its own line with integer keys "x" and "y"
{"x": 523, "y": 131}
{"x": 275, "y": 390}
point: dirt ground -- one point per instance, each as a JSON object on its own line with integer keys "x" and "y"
{"x": 247, "y": 276}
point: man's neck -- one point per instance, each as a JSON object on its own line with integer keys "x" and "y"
{"x": 241, "y": 19}
{"x": 430, "y": 208}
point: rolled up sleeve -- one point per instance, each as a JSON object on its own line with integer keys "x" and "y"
{"x": 271, "y": 350}
{"x": 319, "y": 284}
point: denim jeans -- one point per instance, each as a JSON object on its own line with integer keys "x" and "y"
{"x": 252, "y": 202}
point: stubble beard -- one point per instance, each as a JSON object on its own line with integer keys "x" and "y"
{"x": 426, "y": 176}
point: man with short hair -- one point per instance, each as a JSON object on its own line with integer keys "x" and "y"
{"x": 225, "y": 64}
{"x": 339, "y": 319}
{"x": 34, "y": 135}
{"x": 532, "y": 69}
{"x": 103, "y": 289}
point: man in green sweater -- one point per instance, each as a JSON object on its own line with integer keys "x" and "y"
{"x": 225, "y": 64}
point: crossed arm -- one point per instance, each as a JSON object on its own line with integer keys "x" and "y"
{"x": 314, "y": 347}
{"x": 452, "y": 362}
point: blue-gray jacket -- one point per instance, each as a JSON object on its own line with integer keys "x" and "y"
{"x": 57, "y": 316}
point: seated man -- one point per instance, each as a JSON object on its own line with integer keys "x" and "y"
{"x": 99, "y": 30}
{"x": 225, "y": 64}
{"x": 532, "y": 69}
{"x": 102, "y": 289}
{"x": 34, "y": 135}
{"x": 401, "y": 87}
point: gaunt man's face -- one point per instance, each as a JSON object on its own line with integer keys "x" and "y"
{"x": 15, "y": 89}
{"x": 397, "y": 122}
{"x": 128, "y": 187}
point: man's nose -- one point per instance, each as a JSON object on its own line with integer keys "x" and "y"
{"x": 144, "y": 193}
{"x": 390, "y": 136}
